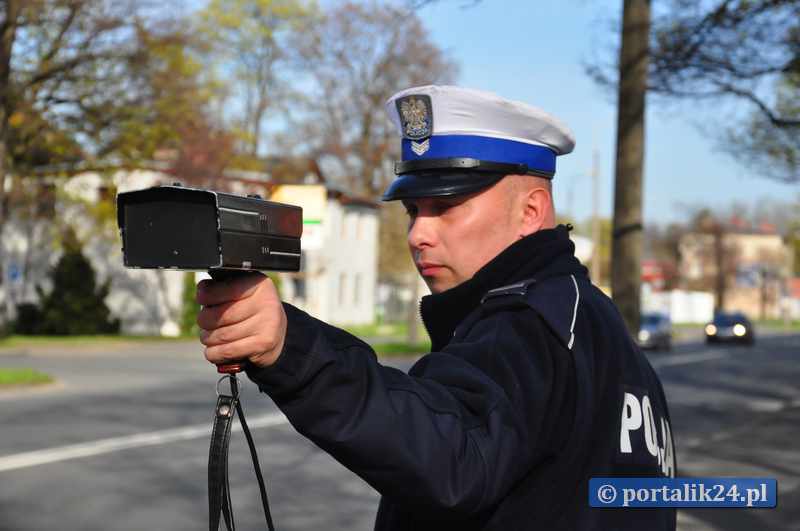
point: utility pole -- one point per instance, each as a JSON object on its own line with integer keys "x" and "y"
{"x": 627, "y": 236}
{"x": 595, "y": 273}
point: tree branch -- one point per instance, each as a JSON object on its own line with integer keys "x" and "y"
{"x": 763, "y": 107}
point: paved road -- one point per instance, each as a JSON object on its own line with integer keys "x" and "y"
{"x": 121, "y": 442}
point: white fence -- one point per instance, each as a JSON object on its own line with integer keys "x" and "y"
{"x": 681, "y": 306}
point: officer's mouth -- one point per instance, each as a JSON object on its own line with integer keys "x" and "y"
{"x": 428, "y": 269}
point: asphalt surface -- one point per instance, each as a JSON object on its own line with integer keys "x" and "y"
{"x": 121, "y": 441}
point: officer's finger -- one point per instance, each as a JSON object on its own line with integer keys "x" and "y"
{"x": 211, "y": 292}
{"x": 211, "y": 317}
{"x": 230, "y": 333}
{"x": 240, "y": 350}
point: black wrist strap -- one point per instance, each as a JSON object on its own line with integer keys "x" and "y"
{"x": 219, "y": 495}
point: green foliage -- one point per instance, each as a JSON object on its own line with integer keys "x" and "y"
{"x": 33, "y": 141}
{"x": 190, "y": 307}
{"x": 76, "y": 305}
{"x": 175, "y": 91}
{"x": 28, "y": 319}
{"x": 248, "y": 42}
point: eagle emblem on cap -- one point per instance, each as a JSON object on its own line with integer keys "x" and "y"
{"x": 416, "y": 116}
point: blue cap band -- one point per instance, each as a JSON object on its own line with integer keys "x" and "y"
{"x": 484, "y": 148}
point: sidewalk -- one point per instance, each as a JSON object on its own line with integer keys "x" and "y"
{"x": 96, "y": 346}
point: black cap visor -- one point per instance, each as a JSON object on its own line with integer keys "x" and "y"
{"x": 439, "y": 184}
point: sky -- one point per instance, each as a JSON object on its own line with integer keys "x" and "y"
{"x": 535, "y": 51}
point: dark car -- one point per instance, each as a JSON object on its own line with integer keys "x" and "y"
{"x": 730, "y": 326}
{"x": 655, "y": 332}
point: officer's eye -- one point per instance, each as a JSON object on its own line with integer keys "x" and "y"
{"x": 411, "y": 209}
{"x": 440, "y": 207}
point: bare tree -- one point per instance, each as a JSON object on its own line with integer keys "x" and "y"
{"x": 743, "y": 51}
{"x": 736, "y": 51}
{"x": 715, "y": 258}
{"x": 662, "y": 243}
{"x": 248, "y": 44}
{"x": 356, "y": 57}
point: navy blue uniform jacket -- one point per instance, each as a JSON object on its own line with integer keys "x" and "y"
{"x": 524, "y": 397}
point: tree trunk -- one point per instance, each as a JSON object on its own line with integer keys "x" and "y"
{"x": 627, "y": 235}
{"x": 3, "y": 170}
{"x": 8, "y": 34}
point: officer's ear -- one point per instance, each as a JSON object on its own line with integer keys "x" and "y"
{"x": 536, "y": 205}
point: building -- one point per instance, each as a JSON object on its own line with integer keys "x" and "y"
{"x": 146, "y": 301}
{"x": 753, "y": 267}
{"x": 339, "y": 266}
{"x": 338, "y": 280}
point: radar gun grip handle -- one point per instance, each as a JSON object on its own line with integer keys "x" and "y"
{"x": 222, "y": 275}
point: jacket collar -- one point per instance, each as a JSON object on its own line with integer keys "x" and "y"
{"x": 544, "y": 254}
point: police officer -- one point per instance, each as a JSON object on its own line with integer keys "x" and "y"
{"x": 532, "y": 385}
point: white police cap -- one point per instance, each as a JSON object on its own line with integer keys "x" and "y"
{"x": 458, "y": 140}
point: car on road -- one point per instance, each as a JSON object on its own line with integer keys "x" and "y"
{"x": 730, "y": 326}
{"x": 655, "y": 332}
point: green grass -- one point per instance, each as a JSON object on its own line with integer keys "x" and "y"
{"x": 9, "y": 377}
{"x": 779, "y": 323}
{"x": 397, "y": 330}
{"x": 401, "y": 349}
{"x": 688, "y": 325}
{"x": 392, "y": 338}
{"x": 378, "y": 330}
{"x": 43, "y": 341}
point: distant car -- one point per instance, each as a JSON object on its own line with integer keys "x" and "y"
{"x": 655, "y": 332}
{"x": 730, "y": 326}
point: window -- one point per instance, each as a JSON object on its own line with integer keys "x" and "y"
{"x": 342, "y": 288}
{"x": 357, "y": 288}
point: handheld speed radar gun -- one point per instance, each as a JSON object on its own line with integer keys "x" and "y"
{"x": 176, "y": 227}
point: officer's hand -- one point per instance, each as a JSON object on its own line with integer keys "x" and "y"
{"x": 242, "y": 318}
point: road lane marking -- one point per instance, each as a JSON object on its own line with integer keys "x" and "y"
{"x": 766, "y": 405}
{"x": 686, "y": 359}
{"x": 114, "y": 444}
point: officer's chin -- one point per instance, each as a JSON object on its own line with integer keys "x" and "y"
{"x": 438, "y": 285}
{"x": 433, "y": 285}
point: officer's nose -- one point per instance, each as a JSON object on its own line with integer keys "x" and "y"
{"x": 421, "y": 232}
